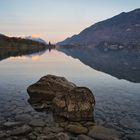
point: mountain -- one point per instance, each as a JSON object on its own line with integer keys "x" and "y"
{"x": 122, "y": 29}
{"x": 13, "y": 46}
{"x": 2, "y": 36}
{"x": 35, "y": 39}
{"x": 13, "y": 41}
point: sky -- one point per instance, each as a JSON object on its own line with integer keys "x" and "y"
{"x": 55, "y": 20}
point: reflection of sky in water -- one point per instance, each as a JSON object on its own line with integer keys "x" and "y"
{"x": 53, "y": 62}
{"x": 112, "y": 95}
{"x": 33, "y": 67}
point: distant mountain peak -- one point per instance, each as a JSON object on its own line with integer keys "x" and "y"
{"x": 35, "y": 37}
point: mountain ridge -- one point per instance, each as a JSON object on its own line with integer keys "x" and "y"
{"x": 16, "y": 46}
{"x": 123, "y": 28}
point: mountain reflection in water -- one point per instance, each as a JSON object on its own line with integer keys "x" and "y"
{"x": 6, "y": 53}
{"x": 120, "y": 64}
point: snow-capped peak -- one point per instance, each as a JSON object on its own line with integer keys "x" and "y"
{"x": 35, "y": 38}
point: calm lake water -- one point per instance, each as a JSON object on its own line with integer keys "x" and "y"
{"x": 117, "y": 101}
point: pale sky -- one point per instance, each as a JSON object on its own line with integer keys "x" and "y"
{"x": 55, "y": 20}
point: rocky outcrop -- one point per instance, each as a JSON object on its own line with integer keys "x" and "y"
{"x": 49, "y": 87}
{"x": 65, "y": 98}
{"x": 76, "y": 105}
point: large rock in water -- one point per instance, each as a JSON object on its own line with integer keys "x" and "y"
{"x": 76, "y": 105}
{"x": 67, "y": 100}
{"x": 49, "y": 87}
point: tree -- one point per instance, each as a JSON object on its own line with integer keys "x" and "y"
{"x": 50, "y": 43}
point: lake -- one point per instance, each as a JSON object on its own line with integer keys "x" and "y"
{"x": 117, "y": 100}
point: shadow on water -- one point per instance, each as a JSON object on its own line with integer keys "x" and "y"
{"x": 120, "y": 64}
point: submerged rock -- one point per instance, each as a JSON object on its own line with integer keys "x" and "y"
{"x": 64, "y": 97}
{"x": 62, "y": 136}
{"x": 23, "y": 118}
{"x": 37, "y": 122}
{"x": 2, "y": 134}
{"x": 76, "y": 129}
{"x": 12, "y": 124}
{"x": 53, "y": 136}
{"x": 133, "y": 137}
{"x": 84, "y": 137}
{"x": 47, "y": 130}
{"x": 102, "y": 133}
{"x": 129, "y": 122}
{"x": 25, "y": 129}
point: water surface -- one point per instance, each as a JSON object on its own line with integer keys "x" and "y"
{"x": 117, "y": 101}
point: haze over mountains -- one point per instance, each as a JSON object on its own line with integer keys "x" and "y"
{"x": 38, "y": 39}
{"x": 121, "y": 29}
